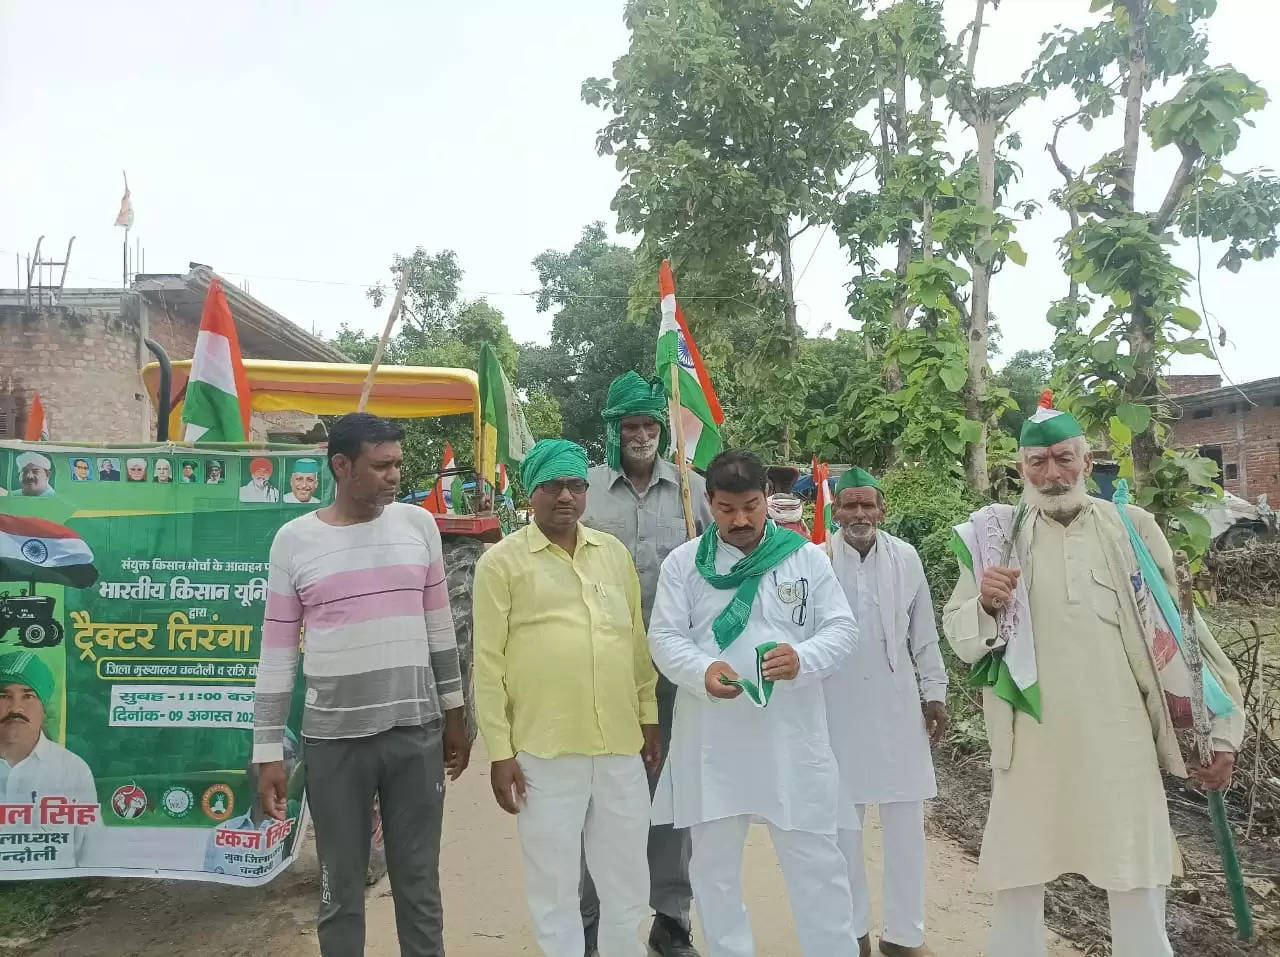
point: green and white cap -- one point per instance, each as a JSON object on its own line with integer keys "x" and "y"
{"x": 1048, "y": 426}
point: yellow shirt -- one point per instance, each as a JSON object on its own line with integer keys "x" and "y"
{"x": 562, "y": 662}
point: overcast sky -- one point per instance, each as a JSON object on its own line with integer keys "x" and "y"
{"x": 295, "y": 146}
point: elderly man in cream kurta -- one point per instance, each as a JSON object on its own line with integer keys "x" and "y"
{"x": 1080, "y": 673}
{"x": 880, "y": 732}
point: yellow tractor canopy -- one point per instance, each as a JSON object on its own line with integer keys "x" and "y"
{"x": 333, "y": 388}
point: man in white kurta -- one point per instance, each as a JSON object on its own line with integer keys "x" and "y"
{"x": 880, "y": 732}
{"x": 732, "y": 761}
{"x": 1077, "y": 690}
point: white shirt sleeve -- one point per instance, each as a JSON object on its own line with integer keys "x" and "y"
{"x": 674, "y": 651}
{"x": 922, "y": 638}
{"x": 835, "y": 634}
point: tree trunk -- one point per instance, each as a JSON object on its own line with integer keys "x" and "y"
{"x": 975, "y": 391}
{"x": 893, "y": 375}
{"x": 783, "y": 238}
{"x": 1144, "y": 386}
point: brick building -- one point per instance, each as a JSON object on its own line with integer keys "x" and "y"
{"x": 1241, "y": 432}
{"x": 83, "y": 350}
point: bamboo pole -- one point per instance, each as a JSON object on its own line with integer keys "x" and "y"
{"x": 1203, "y": 729}
{"x": 682, "y": 463}
{"x": 382, "y": 343}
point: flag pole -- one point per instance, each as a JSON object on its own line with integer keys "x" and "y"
{"x": 682, "y": 463}
{"x": 382, "y": 343}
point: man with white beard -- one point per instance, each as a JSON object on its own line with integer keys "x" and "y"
{"x": 635, "y": 497}
{"x": 880, "y": 731}
{"x": 1075, "y": 643}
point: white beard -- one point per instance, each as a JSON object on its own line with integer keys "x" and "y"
{"x": 640, "y": 454}
{"x": 1065, "y": 505}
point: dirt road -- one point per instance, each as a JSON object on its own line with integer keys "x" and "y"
{"x": 485, "y": 912}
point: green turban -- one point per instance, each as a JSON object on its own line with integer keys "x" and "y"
{"x": 1047, "y": 426}
{"x": 857, "y": 478}
{"x": 552, "y": 459}
{"x": 24, "y": 668}
{"x": 306, "y": 467}
{"x": 631, "y": 394}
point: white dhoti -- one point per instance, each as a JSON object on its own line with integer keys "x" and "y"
{"x": 902, "y": 840}
{"x": 1137, "y": 923}
{"x": 602, "y": 804}
{"x": 817, "y": 883}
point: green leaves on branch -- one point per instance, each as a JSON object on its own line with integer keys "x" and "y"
{"x": 1204, "y": 117}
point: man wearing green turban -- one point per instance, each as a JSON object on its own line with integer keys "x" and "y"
{"x": 31, "y": 766}
{"x": 565, "y": 701}
{"x": 635, "y": 496}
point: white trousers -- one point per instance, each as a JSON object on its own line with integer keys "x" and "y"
{"x": 902, "y": 838}
{"x": 600, "y": 804}
{"x": 1137, "y": 923}
{"x": 817, "y": 883}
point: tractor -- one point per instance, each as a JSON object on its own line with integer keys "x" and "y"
{"x": 32, "y": 615}
{"x": 399, "y": 392}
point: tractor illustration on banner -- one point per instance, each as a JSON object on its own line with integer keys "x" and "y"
{"x": 36, "y": 550}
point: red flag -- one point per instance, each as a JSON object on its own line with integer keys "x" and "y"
{"x": 37, "y": 430}
{"x": 822, "y": 502}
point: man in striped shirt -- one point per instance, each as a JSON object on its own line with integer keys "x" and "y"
{"x": 364, "y": 580}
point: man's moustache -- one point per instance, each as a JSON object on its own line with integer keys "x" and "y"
{"x": 15, "y": 717}
{"x": 1055, "y": 489}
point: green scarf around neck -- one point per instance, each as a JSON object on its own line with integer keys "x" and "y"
{"x": 777, "y": 545}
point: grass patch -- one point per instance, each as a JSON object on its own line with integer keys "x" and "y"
{"x": 35, "y": 909}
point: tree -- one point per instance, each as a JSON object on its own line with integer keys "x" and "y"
{"x": 934, "y": 214}
{"x": 439, "y": 330}
{"x": 593, "y": 338}
{"x": 733, "y": 125}
{"x": 1024, "y": 377}
{"x": 1121, "y": 254}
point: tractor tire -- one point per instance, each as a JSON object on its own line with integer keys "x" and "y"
{"x": 460, "y": 557}
{"x": 40, "y": 634}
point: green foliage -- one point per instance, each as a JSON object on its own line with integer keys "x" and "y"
{"x": 1121, "y": 255}
{"x": 924, "y": 505}
{"x": 1025, "y": 376}
{"x": 730, "y": 118}
{"x": 593, "y": 339}
{"x": 441, "y": 331}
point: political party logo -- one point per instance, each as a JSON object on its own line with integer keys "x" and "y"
{"x": 218, "y": 802}
{"x": 177, "y": 801}
{"x": 129, "y": 801}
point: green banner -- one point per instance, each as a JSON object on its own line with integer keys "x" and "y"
{"x": 132, "y": 584}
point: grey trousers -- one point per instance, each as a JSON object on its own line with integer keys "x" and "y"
{"x": 404, "y": 767}
{"x": 669, "y": 847}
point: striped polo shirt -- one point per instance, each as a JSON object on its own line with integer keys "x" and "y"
{"x": 372, "y": 603}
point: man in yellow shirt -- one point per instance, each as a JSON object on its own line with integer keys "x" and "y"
{"x": 565, "y": 701}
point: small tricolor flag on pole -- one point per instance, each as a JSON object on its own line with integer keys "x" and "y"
{"x": 504, "y": 482}
{"x": 215, "y": 406}
{"x": 822, "y": 502}
{"x": 37, "y": 425}
{"x": 701, "y": 415}
{"x": 440, "y": 500}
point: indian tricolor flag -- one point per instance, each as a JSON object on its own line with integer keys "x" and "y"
{"x": 215, "y": 406}
{"x": 34, "y": 549}
{"x": 504, "y": 482}
{"x": 440, "y": 500}
{"x": 37, "y": 425}
{"x": 700, "y": 412}
{"x": 822, "y": 502}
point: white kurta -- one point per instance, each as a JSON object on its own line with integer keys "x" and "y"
{"x": 873, "y": 700}
{"x": 729, "y": 757}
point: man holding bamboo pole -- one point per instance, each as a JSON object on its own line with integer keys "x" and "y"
{"x": 1063, "y": 609}
{"x": 635, "y": 497}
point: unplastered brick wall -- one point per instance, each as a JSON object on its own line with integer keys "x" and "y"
{"x": 1249, "y": 437}
{"x": 83, "y": 363}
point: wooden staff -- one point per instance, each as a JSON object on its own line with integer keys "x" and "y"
{"x": 682, "y": 464}
{"x": 382, "y": 343}
{"x": 1204, "y": 748}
